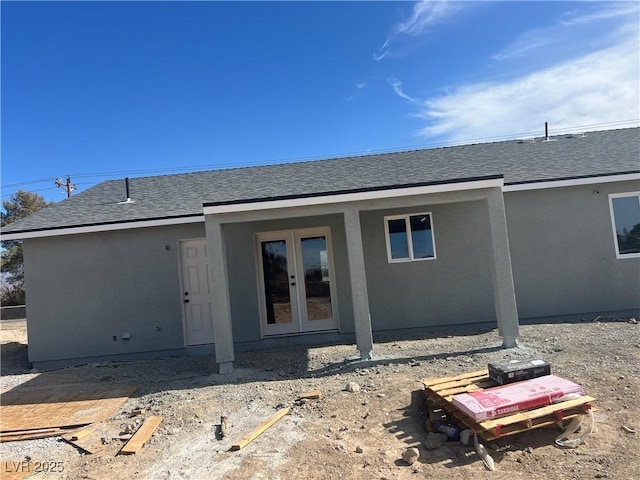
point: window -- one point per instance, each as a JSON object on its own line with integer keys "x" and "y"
{"x": 409, "y": 237}
{"x": 625, "y": 217}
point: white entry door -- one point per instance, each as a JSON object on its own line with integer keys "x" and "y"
{"x": 296, "y": 281}
{"x": 196, "y": 298}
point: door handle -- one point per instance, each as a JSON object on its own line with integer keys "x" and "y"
{"x": 186, "y": 301}
{"x": 293, "y": 284}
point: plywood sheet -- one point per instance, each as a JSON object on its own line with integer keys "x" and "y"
{"x": 30, "y": 408}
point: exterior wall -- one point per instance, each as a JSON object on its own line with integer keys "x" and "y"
{"x": 84, "y": 289}
{"x": 243, "y": 276}
{"x": 455, "y": 287}
{"x": 563, "y": 252}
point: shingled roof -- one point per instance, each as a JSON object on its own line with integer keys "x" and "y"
{"x": 179, "y": 196}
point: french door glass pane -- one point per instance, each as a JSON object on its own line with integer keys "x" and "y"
{"x": 276, "y": 281}
{"x": 316, "y": 278}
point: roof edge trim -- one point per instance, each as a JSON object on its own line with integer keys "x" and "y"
{"x": 572, "y": 181}
{"x": 103, "y": 227}
{"x": 347, "y": 196}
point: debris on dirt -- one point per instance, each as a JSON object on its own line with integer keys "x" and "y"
{"x": 244, "y": 441}
{"x": 484, "y": 454}
{"x": 191, "y": 397}
{"x": 352, "y": 387}
{"x": 465, "y": 436}
{"x": 435, "y": 440}
{"x": 224, "y": 425}
{"x": 312, "y": 395}
{"x": 142, "y": 435}
{"x": 411, "y": 455}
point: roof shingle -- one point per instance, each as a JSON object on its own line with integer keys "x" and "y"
{"x": 180, "y": 195}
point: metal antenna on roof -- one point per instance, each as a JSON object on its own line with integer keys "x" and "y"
{"x": 126, "y": 186}
{"x": 546, "y": 133}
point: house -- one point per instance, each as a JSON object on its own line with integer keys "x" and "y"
{"x": 344, "y": 247}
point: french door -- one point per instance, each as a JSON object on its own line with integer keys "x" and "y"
{"x": 296, "y": 281}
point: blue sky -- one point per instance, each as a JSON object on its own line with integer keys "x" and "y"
{"x": 103, "y": 90}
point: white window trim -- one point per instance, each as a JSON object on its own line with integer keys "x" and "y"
{"x": 613, "y": 223}
{"x": 411, "y": 258}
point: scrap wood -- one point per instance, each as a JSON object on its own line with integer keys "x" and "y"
{"x": 90, "y": 438}
{"x": 81, "y": 434}
{"x": 57, "y": 406}
{"x": 244, "y": 441}
{"x": 312, "y": 395}
{"x": 31, "y": 434}
{"x": 141, "y": 436}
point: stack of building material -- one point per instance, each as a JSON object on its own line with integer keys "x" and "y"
{"x": 515, "y": 397}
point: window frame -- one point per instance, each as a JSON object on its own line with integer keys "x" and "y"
{"x": 614, "y": 230}
{"x": 406, "y": 217}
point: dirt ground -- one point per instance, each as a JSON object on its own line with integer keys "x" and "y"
{"x": 348, "y": 435}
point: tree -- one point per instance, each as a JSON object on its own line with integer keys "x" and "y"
{"x": 19, "y": 205}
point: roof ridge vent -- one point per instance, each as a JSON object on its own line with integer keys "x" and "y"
{"x": 126, "y": 186}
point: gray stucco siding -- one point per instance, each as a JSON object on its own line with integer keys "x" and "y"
{"x": 242, "y": 261}
{"x": 454, "y": 288}
{"x": 563, "y": 252}
{"x": 84, "y": 289}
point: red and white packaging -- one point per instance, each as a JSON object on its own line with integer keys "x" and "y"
{"x": 515, "y": 397}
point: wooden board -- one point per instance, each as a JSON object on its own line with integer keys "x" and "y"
{"x": 30, "y": 408}
{"x": 89, "y": 438}
{"x": 311, "y": 395}
{"x": 440, "y": 391}
{"x": 244, "y": 441}
{"x": 31, "y": 434}
{"x": 142, "y": 435}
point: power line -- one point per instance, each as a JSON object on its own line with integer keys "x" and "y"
{"x": 219, "y": 166}
{"x": 67, "y": 186}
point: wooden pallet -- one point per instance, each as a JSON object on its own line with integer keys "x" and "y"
{"x": 440, "y": 392}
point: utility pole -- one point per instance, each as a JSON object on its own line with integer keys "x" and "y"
{"x": 67, "y": 186}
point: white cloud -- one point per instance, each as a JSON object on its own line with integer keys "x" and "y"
{"x": 397, "y": 87}
{"x": 526, "y": 43}
{"x": 571, "y": 32}
{"x": 598, "y": 88}
{"x": 610, "y": 10}
{"x": 425, "y": 13}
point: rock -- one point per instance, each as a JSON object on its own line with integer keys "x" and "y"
{"x": 410, "y": 455}
{"x": 352, "y": 387}
{"x": 465, "y": 436}
{"x": 380, "y": 395}
{"x": 359, "y": 449}
{"x": 435, "y": 440}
